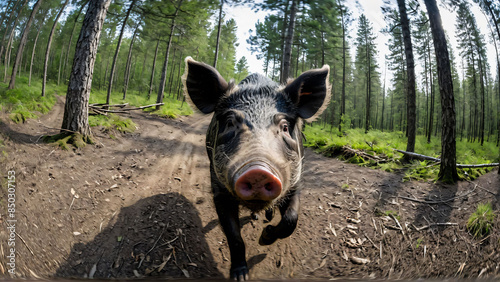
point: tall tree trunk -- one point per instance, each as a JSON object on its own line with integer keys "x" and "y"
{"x": 172, "y": 73}
{"x": 287, "y": 54}
{"x": 76, "y": 109}
{"x": 9, "y": 21}
{"x": 59, "y": 69}
{"x": 410, "y": 67}
{"x": 448, "y": 169}
{"x": 342, "y": 98}
{"x": 143, "y": 68}
{"x": 34, "y": 48}
{"x": 463, "y": 102}
{"x": 8, "y": 48}
{"x": 383, "y": 97}
{"x": 153, "y": 69}
{"x": 22, "y": 44}
{"x": 286, "y": 12}
{"x": 6, "y": 12}
{"x": 71, "y": 39}
{"x": 368, "y": 87}
{"x": 127, "y": 68}
{"x": 218, "y": 34}
{"x": 431, "y": 110}
{"x": 483, "y": 110}
{"x": 113, "y": 65}
{"x": 159, "y": 98}
{"x": 51, "y": 35}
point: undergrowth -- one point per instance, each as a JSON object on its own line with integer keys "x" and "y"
{"x": 112, "y": 121}
{"x": 480, "y": 222}
{"x": 25, "y": 102}
{"x": 329, "y": 142}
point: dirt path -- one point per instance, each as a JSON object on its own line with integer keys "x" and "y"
{"x": 140, "y": 205}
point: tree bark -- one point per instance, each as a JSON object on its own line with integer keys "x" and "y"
{"x": 448, "y": 169}
{"x": 161, "y": 90}
{"x": 77, "y": 98}
{"x": 47, "y": 52}
{"x": 22, "y": 44}
{"x": 218, "y": 34}
{"x": 287, "y": 54}
{"x": 113, "y": 65}
{"x": 410, "y": 68}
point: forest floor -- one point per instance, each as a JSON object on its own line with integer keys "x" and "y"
{"x": 139, "y": 205}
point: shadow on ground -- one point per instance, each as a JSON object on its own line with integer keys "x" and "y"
{"x": 158, "y": 236}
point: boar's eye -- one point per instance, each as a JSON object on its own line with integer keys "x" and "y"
{"x": 229, "y": 123}
{"x": 284, "y": 126}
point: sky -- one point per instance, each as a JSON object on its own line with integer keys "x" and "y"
{"x": 246, "y": 18}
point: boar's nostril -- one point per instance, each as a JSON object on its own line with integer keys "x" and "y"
{"x": 268, "y": 186}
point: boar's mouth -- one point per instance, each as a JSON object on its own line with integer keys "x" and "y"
{"x": 256, "y": 205}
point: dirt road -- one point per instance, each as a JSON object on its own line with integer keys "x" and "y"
{"x": 140, "y": 205}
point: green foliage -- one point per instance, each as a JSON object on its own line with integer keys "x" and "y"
{"x": 393, "y": 214}
{"x": 480, "y": 222}
{"x": 25, "y": 102}
{"x": 419, "y": 242}
{"x": 328, "y": 141}
{"x": 113, "y": 121}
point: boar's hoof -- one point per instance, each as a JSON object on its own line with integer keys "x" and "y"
{"x": 270, "y": 213}
{"x": 239, "y": 273}
{"x": 267, "y": 237}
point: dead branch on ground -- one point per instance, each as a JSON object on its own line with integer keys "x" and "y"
{"x": 427, "y": 158}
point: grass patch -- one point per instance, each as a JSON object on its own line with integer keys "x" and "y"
{"x": 112, "y": 121}
{"x": 25, "y": 102}
{"x": 480, "y": 222}
{"x": 329, "y": 142}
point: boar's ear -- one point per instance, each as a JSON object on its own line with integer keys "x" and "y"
{"x": 310, "y": 92}
{"x": 203, "y": 85}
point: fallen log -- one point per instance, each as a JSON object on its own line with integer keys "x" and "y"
{"x": 108, "y": 106}
{"x": 427, "y": 158}
{"x": 477, "y": 165}
{"x": 123, "y": 110}
{"x": 418, "y": 156}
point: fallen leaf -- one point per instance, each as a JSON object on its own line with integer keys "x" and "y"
{"x": 93, "y": 270}
{"x": 136, "y": 273}
{"x": 359, "y": 260}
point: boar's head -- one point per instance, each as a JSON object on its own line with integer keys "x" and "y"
{"x": 254, "y": 140}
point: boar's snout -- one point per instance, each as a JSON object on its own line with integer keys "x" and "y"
{"x": 257, "y": 183}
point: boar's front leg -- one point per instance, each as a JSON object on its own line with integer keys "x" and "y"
{"x": 228, "y": 211}
{"x": 289, "y": 210}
